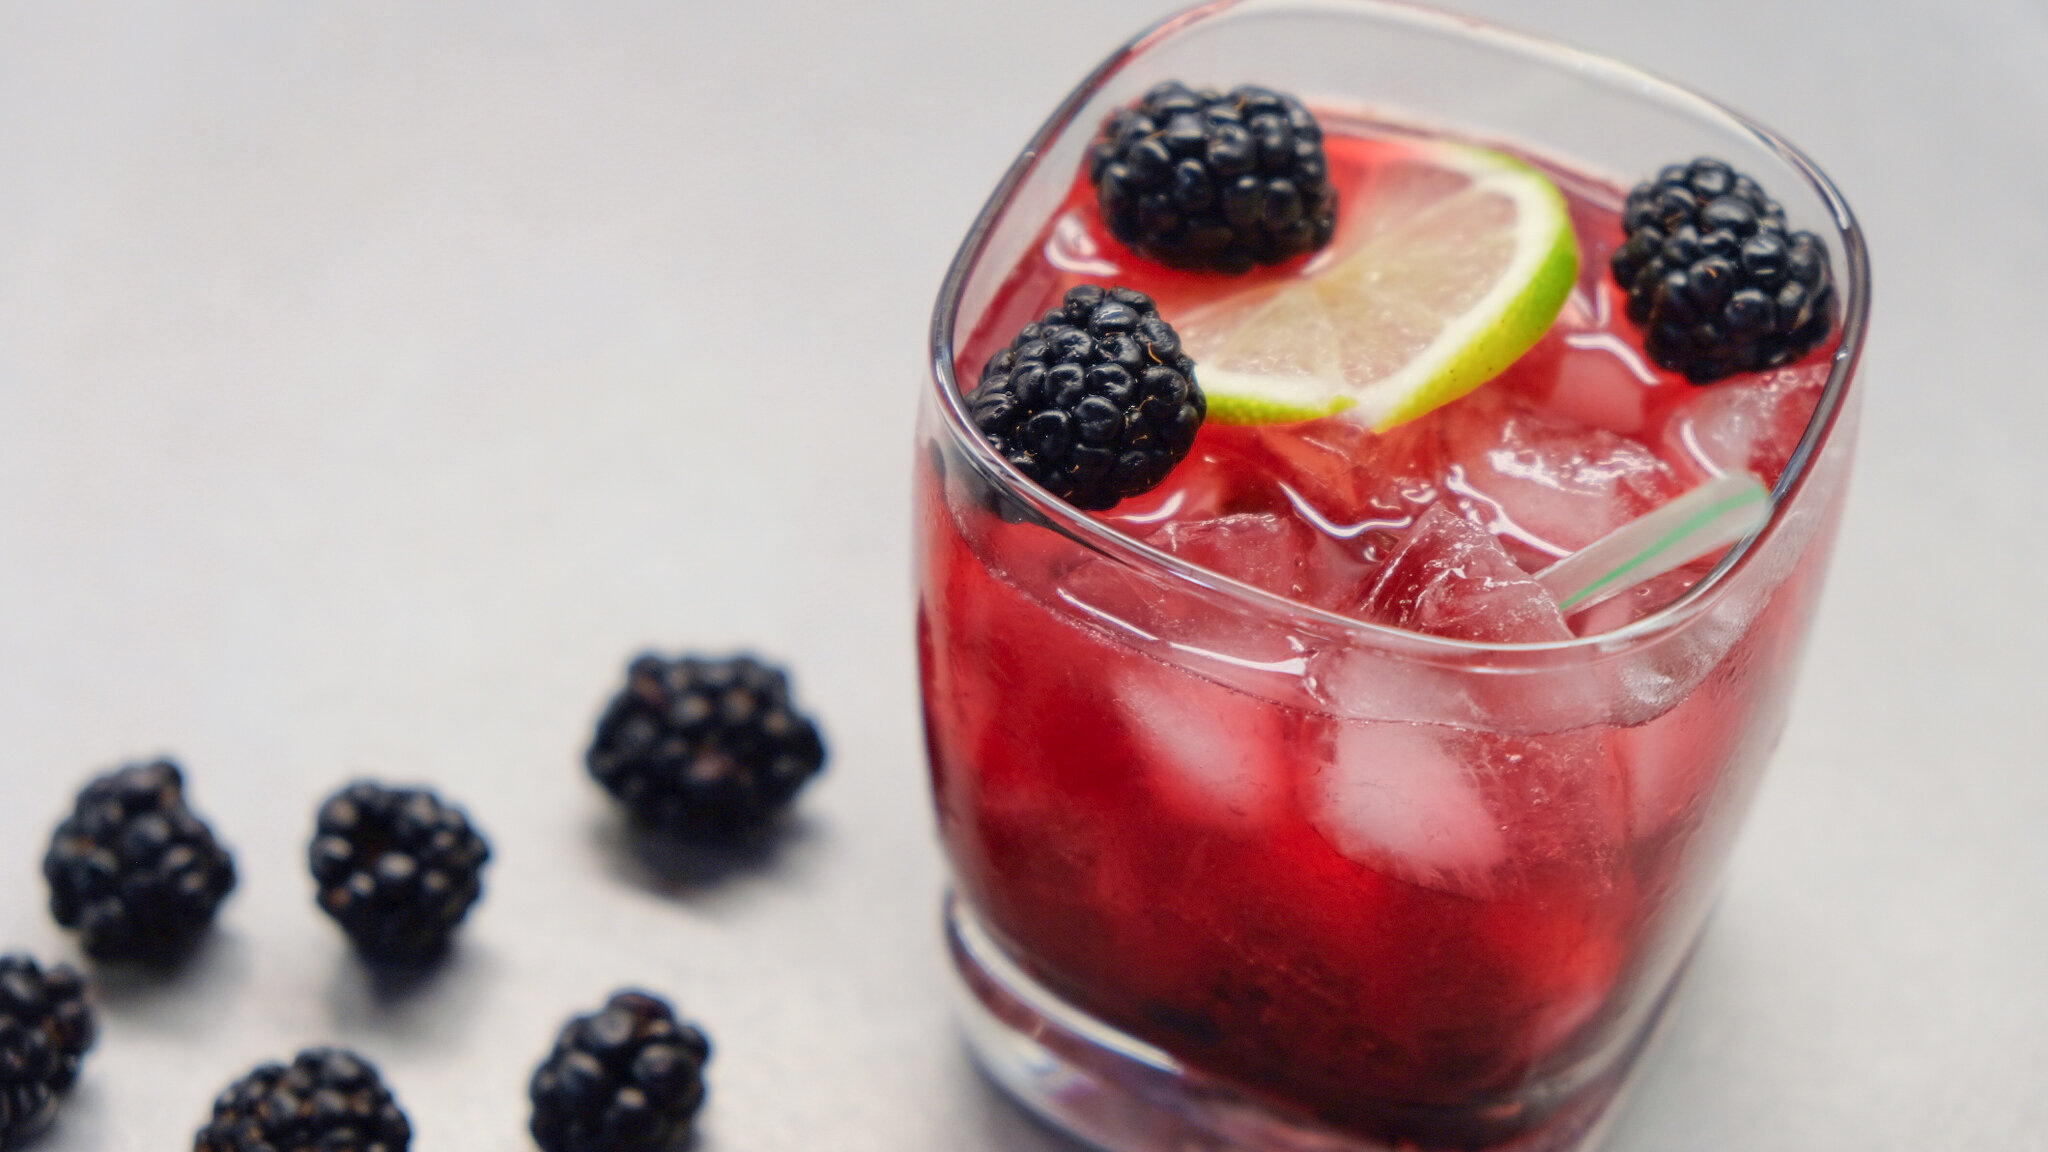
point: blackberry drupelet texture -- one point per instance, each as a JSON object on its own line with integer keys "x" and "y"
{"x": 1095, "y": 402}
{"x": 704, "y": 749}
{"x": 326, "y": 1100}
{"x": 397, "y": 869}
{"x": 133, "y": 869}
{"x": 625, "y": 1079}
{"x": 1215, "y": 183}
{"x": 1715, "y": 279}
{"x": 45, "y": 1028}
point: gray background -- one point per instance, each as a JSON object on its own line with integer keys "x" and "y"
{"x": 375, "y": 378}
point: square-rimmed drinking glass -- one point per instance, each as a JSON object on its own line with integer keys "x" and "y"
{"x": 1150, "y": 980}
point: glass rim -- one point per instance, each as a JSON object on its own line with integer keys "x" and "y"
{"x": 1854, "y": 291}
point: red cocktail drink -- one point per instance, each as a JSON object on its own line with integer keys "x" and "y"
{"x": 1284, "y": 808}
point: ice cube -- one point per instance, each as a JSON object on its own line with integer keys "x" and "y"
{"x": 1213, "y": 754}
{"x": 1354, "y": 483}
{"x": 1402, "y": 799}
{"x": 1277, "y": 552}
{"x": 1598, "y": 385}
{"x": 1672, "y": 759}
{"x": 1722, "y": 726}
{"x": 1470, "y": 811}
{"x": 1211, "y": 628}
{"x": 1183, "y": 624}
{"x": 1751, "y": 422}
{"x": 1449, "y": 578}
{"x": 1546, "y": 485}
{"x": 1587, "y": 369}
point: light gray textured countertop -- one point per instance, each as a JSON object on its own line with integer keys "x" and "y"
{"x": 376, "y": 378}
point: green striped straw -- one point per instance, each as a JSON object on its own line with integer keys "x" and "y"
{"x": 1713, "y": 515}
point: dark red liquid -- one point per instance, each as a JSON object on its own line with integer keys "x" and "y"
{"x": 1364, "y": 921}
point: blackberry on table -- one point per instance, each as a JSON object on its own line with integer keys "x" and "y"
{"x": 397, "y": 868}
{"x": 133, "y": 869}
{"x": 704, "y": 749}
{"x": 628, "y": 1078}
{"x": 1715, "y": 279}
{"x": 1095, "y": 402}
{"x": 325, "y": 1100}
{"x": 1215, "y": 183}
{"x": 46, "y": 1025}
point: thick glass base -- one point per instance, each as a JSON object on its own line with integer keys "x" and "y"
{"x": 1124, "y": 1095}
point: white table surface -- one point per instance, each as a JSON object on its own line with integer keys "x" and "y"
{"x": 376, "y": 378}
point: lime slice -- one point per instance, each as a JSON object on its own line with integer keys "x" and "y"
{"x": 1460, "y": 261}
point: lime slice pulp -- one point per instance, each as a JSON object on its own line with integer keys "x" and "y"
{"x": 1461, "y": 260}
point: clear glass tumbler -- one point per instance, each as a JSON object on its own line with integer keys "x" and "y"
{"x": 1155, "y": 974}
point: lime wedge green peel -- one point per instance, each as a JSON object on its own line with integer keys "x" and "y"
{"x": 1462, "y": 259}
{"x": 1711, "y": 516}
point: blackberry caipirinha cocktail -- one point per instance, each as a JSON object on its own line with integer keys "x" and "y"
{"x": 1261, "y": 731}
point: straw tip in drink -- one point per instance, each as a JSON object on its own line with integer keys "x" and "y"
{"x": 1712, "y": 516}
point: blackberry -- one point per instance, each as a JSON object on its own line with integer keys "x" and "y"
{"x": 1095, "y": 402}
{"x": 326, "y": 1100}
{"x": 625, "y": 1079}
{"x": 397, "y": 869}
{"x": 1215, "y": 183}
{"x": 133, "y": 869}
{"x": 704, "y": 749}
{"x": 1714, "y": 278}
{"x": 45, "y": 1028}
